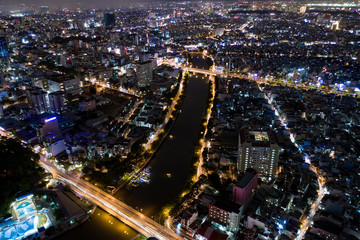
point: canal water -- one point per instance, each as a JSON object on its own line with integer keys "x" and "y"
{"x": 175, "y": 154}
{"x": 172, "y": 159}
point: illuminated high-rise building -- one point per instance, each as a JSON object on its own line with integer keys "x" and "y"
{"x": 144, "y": 73}
{"x": 49, "y": 126}
{"x": 4, "y": 50}
{"x": 57, "y": 102}
{"x": 4, "y": 54}
{"x": 37, "y": 99}
{"x": 258, "y": 150}
{"x": 50, "y": 135}
{"x": 109, "y": 19}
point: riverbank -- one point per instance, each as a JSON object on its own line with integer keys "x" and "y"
{"x": 171, "y": 163}
{"x": 173, "y": 159}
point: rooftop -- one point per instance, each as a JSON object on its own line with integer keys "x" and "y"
{"x": 226, "y": 205}
{"x": 207, "y": 231}
{"x": 260, "y": 136}
{"x": 244, "y": 181}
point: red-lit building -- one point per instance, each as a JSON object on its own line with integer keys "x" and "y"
{"x": 245, "y": 187}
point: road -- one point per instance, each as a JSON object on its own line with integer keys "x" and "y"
{"x": 315, "y": 205}
{"x": 215, "y": 72}
{"x": 115, "y": 207}
{"x": 321, "y": 181}
{"x": 168, "y": 114}
{"x": 170, "y": 164}
{"x": 262, "y": 80}
{"x": 203, "y": 71}
{"x": 205, "y": 143}
{"x": 120, "y": 89}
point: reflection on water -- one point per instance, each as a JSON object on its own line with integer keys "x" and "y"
{"x": 101, "y": 225}
{"x": 169, "y": 168}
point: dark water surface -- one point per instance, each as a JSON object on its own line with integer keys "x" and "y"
{"x": 174, "y": 157}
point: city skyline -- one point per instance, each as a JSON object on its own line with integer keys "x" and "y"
{"x": 79, "y": 4}
{"x": 197, "y": 120}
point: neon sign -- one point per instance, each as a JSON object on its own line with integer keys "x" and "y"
{"x": 50, "y": 119}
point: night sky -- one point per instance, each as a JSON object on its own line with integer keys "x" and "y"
{"x": 84, "y": 4}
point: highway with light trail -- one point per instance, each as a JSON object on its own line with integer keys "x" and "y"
{"x": 112, "y": 205}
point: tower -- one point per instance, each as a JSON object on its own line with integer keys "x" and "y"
{"x": 38, "y": 100}
{"x": 4, "y": 52}
{"x": 50, "y": 135}
{"x": 49, "y": 126}
{"x": 144, "y": 73}
{"x": 258, "y": 150}
{"x": 57, "y": 102}
{"x": 109, "y": 20}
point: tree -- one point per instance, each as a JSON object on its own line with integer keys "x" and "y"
{"x": 50, "y": 231}
{"x": 209, "y": 61}
{"x": 92, "y": 90}
{"x": 48, "y": 64}
{"x": 58, "y": 214}
{"x": 19, "y": 171}
{"x": 215, "y": 180}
